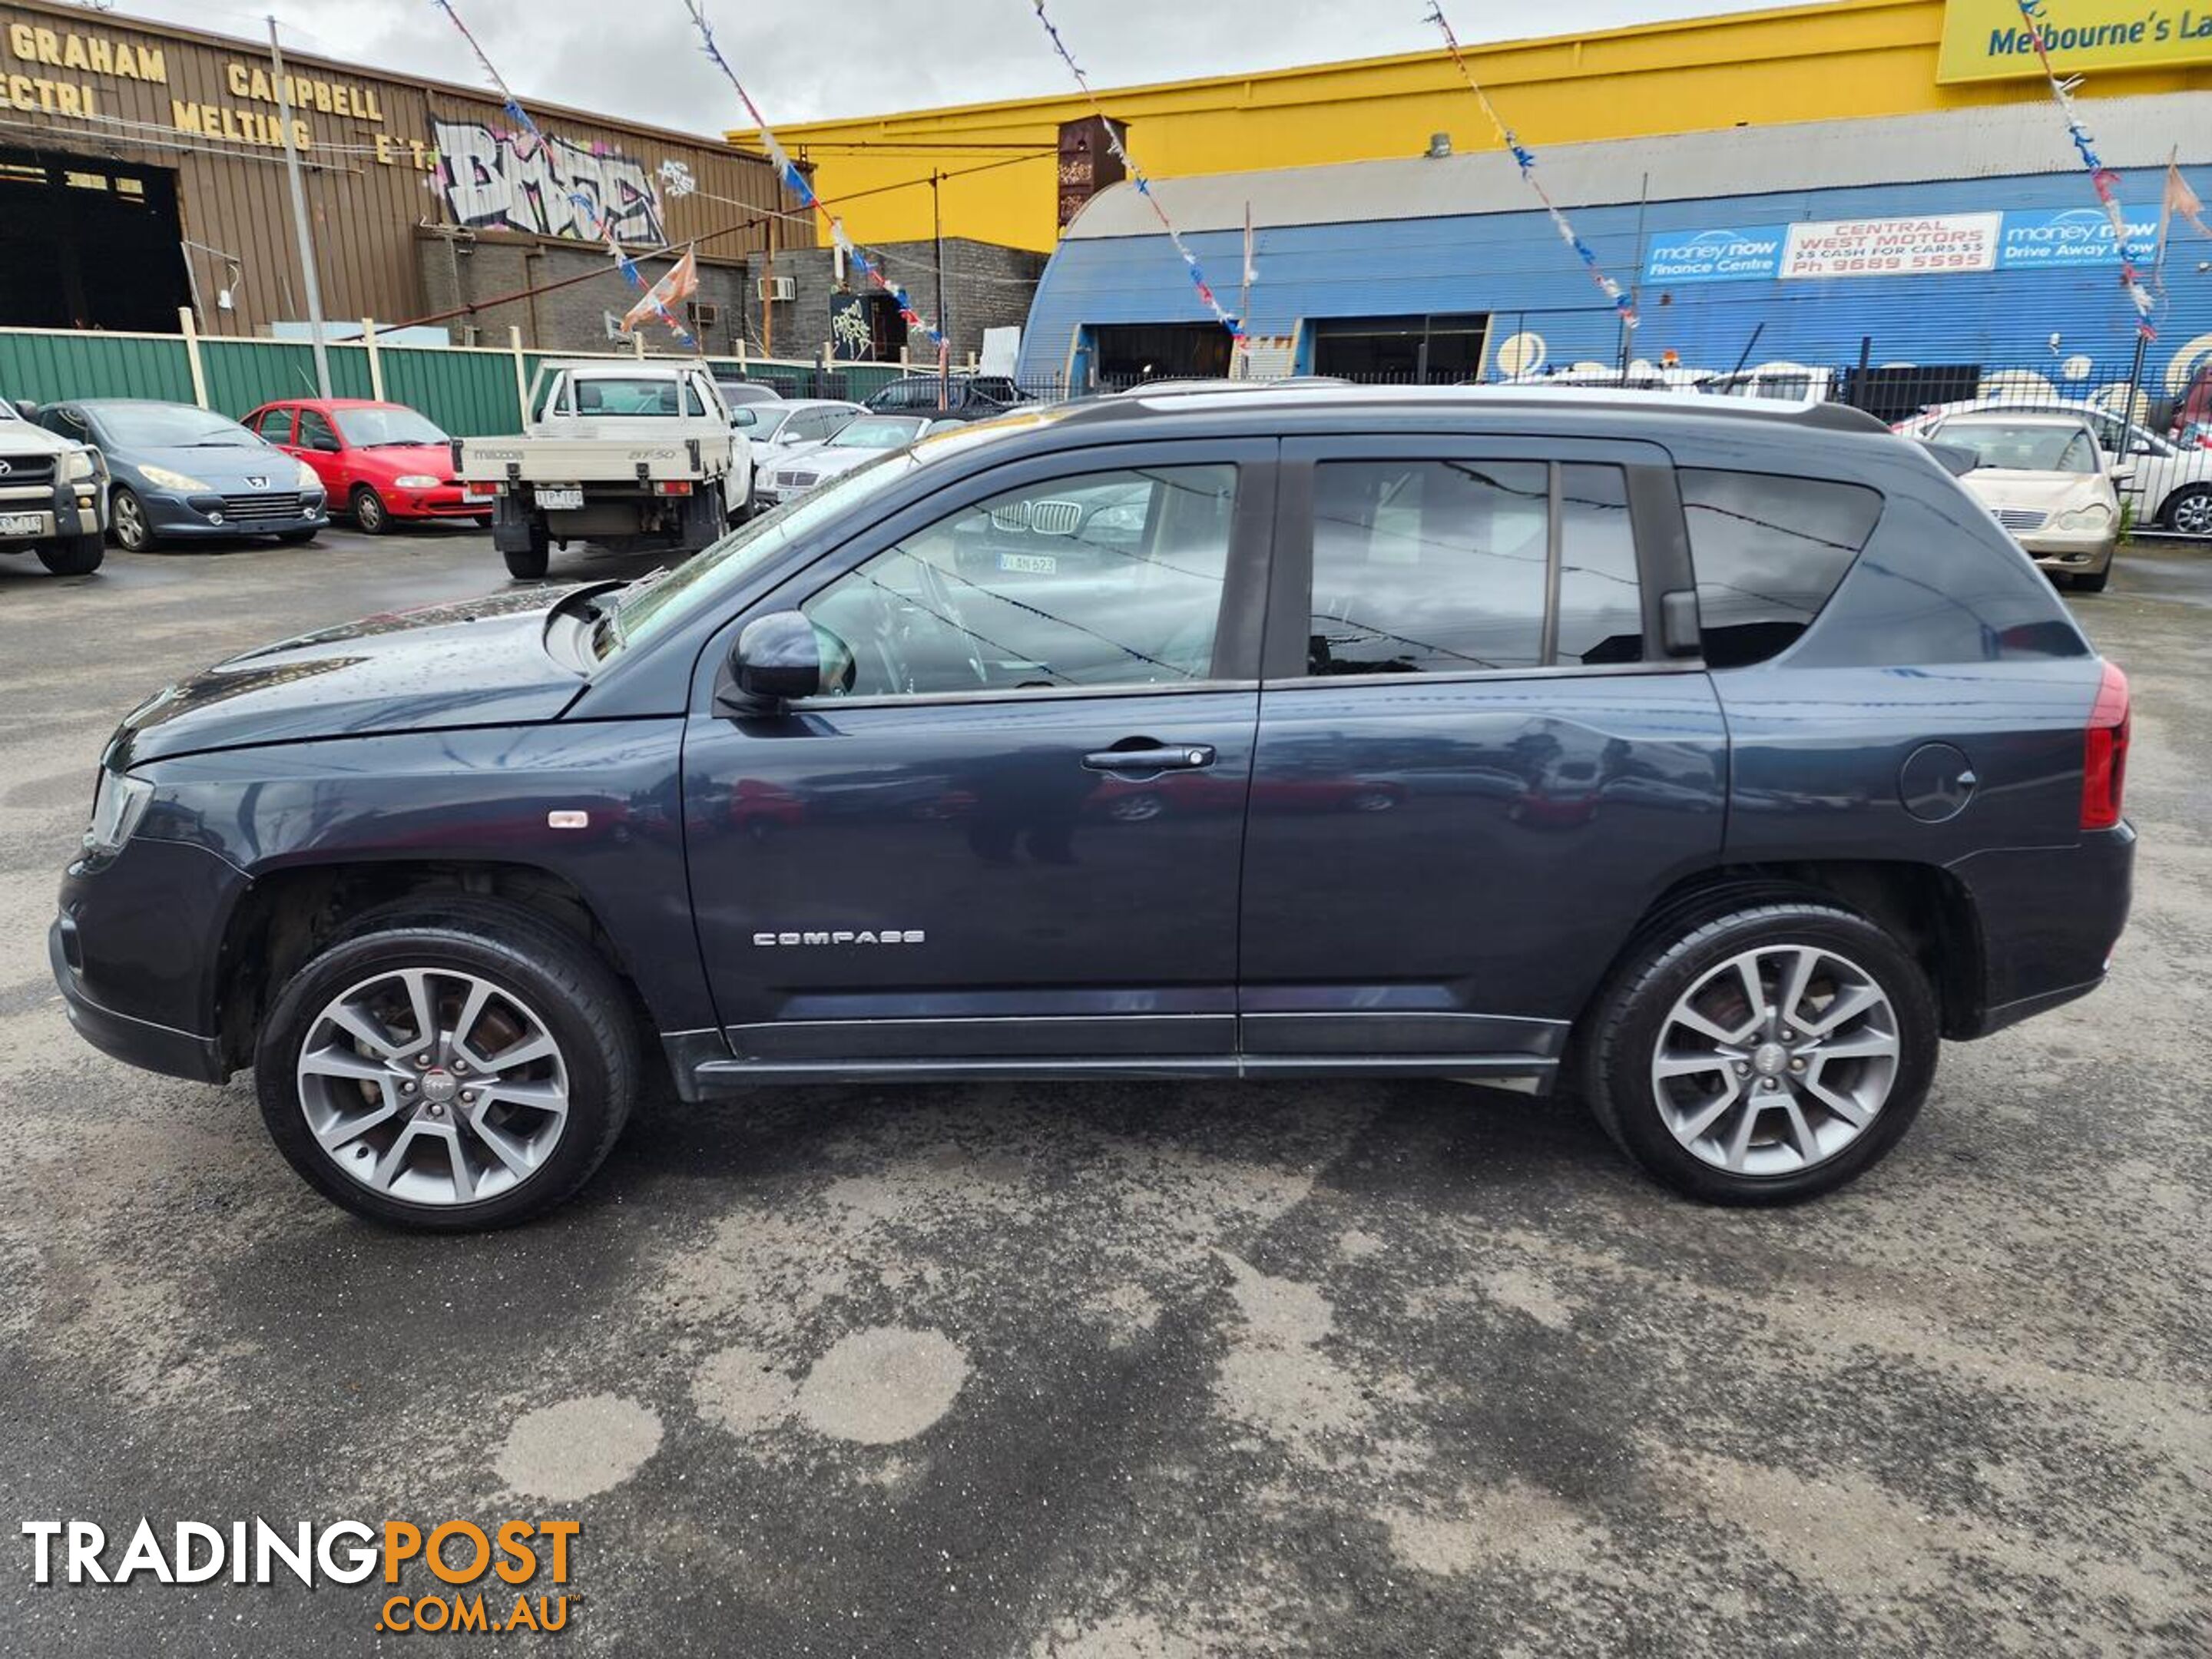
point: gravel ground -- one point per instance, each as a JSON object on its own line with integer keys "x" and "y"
{"x": 1128, "y": 1371}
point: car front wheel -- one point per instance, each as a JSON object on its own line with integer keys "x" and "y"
{"x": 2189, "y": 512}
{"x": 452, "y": 1070}
{"x": 370, "y": 515}
{"x": 1773, "y": 1053}
{"x": 126, "y": 517}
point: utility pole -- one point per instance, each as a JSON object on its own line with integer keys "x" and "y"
{"x": 944, "y": 314}
{"x": 299, "y": 214}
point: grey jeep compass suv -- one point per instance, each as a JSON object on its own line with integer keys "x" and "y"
{"x": 1711, "y": 759}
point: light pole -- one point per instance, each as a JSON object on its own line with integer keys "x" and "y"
{"x": 300, "y": 215}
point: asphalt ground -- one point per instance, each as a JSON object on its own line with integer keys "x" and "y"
{"x": 1126, "y": 1371}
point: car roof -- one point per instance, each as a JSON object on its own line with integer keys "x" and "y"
{"x": 2016, "y": 416}
{"x": 333, "y": 402}
{"x": 1595, "y": 401}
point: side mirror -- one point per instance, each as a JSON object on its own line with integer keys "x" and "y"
{"x": 2122, "y": 474}
{"x": 325, "y": 444}
{"x": 2142, "y": 447}
{"x": 26, "y": 409}
{"x": 776, "y": 657}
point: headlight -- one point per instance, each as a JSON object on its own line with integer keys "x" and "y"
{"x": 168, "y": 480}
{"x": 83, "y": 463}
{"x": 2095, "y": 516}
{"x": 417, "y": 480}
{"x": 309, "y": 478}
{"x": 117, "y": 806}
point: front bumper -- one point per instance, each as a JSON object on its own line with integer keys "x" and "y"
{"x": 139, "y": 1042}
{"x": 446, "y": 502}
{"x": 65, "y": 508}
{"x": 2078, "y": 551}
{"x": 183, "y": 516}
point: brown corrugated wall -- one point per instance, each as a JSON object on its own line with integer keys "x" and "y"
{"x": 364, "y": 207}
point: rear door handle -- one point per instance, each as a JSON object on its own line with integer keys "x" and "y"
{"x": 1143, "y": 755}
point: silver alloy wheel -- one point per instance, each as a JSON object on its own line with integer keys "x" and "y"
{"x": 434, "y": 1086}
{"x": 130, "y": 520}
{"x": 1775, "y": 1059}
{"x": 2192, "y": 513}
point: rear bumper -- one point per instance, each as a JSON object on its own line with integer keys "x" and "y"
{"x": 2048, "y": 920}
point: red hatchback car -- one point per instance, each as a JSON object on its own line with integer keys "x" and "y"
{"x": 378, "y": 461}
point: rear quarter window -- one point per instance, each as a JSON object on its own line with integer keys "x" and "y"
{"x": 1769, "y": 551}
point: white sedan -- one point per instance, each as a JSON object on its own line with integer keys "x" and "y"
{"x": 2171, "y": 485}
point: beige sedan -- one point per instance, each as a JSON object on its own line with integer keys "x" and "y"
{"x": 2050, "y": 484}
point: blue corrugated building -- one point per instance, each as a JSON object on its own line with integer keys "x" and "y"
{"x": 1966, "y": 243}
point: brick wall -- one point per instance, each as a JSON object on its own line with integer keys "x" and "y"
{"x": 989, "y": 287}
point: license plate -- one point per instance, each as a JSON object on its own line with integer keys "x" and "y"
{"x": 1029, "y": 564}
{"x": 560, "y": 501}
{"x": 23, "y": 524}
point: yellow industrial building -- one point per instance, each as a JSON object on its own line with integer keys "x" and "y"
{"x": 999, "y": 161}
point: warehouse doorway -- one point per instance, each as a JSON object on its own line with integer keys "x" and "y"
{"x": 1129, "y": 353}
{"x": 1443, "y": 350}
{"x": 86, "y": 242}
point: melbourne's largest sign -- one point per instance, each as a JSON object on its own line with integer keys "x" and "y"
{"x": 1988, "y": 40}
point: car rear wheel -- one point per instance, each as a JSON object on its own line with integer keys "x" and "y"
{"x": 77, "y": 555}
{"x": 527, "y": 563}
{"x": 370, "y": 516}
{"x": 2189, "y": 512}
{"x": 126, "y": 517}
{"x": 1774, "y": 1054}
{"x": 448, "y": 1071}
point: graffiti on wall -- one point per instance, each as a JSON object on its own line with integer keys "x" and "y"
{"x": 494, "y": 181}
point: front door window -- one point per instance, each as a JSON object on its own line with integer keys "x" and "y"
{"x": 1108, "y": 578}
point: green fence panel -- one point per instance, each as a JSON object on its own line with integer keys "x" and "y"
{"x": 241, "y": 374}
{"x": 46, "y": 365}
{"x": 469, "y": 393}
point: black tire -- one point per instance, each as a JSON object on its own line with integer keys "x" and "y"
{"x": 2188, "y": 506}
{"x": 530, "y": 563}
{"x": 2094, "y": 581}
{"x": 1629, "y": 1018}
{"x": 582, "y": 1006}
{"x": 75, "y": 555}
{"x": 127, "y": 521}
{"x": 370, "y": 515}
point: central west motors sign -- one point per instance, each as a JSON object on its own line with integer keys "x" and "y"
{"x": 1939, "y": 244}
{"x": 1989, "y": 40}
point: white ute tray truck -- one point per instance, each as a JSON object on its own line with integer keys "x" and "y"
{"x": 633, "y": 455}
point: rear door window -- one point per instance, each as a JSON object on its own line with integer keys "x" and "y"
{"x": 1769, "y": 551}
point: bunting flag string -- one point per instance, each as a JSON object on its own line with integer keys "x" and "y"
{"x": 602, "y": 223}
{"x": 1525, "y": 160}
{"x": 1144, "y": 186}
{"x": 802, "y": 187}
{"x": 2102, "y": 178}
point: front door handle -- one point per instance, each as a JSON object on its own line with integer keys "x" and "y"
{"x": 1145, "y": 755}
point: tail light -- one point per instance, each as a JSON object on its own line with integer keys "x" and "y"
{"x": 2104, "y": 753}
{"x": 672, "y": 487}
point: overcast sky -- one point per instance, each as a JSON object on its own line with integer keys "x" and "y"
{"x": 802, "y": 59}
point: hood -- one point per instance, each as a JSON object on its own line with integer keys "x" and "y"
{"x": 22, "y": 438}
{"x": 2047, "y": 492}
{"x": 826, "y": 462}
{"x": 482, "y": 663}
{"x": 224, "y": 468}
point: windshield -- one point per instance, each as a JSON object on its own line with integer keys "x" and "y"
{"x": 171, "y": 426}
{"x": 2022, "y": 446}
{"x": 375, "y": 428}
{"x": 649, "y": 608}
{"x": 878, "y": 432}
